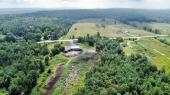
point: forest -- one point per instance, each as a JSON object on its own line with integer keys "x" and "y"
{"x": 33, "y": 28}
{"x": 20, "y": 65}
{"x": 118, "y": 74}
{"x": 22, "y": 59}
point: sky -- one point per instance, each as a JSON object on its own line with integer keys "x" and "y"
{"x": 86, "y": 4}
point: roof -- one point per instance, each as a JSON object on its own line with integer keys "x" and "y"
{"x": 71, "y": 47}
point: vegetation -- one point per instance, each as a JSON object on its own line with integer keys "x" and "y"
{"x": 165, "y": 40}
{"x": 72, "y": 79}
{"x": 164, "y": 28}
{"x": 157, "y": 52}
{"x": 45, "y": 77}
{"x": 118, "y": 74}
{"x": 33, "y": 28}
{"x": 110, "y": 30}
{"x": 26, "y": 67}
{"x": 20, "y": 66}
{"x": 57, "y": 49}
{"x": 122, "y": 15}
{"x": 154, "y": 27}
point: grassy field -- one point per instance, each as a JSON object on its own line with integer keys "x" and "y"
{"x": 107, "y": 30}
{"x": 163, "y": 27}
{"x": 157, "y": 52}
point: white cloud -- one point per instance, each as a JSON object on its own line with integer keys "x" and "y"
{"x": 87, "y": 4}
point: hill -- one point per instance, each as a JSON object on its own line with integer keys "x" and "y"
{"x": 123, "y": 15}
{"x": 18, "y": 10}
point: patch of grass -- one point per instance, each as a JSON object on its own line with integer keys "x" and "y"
{"x": 134, "y": 48}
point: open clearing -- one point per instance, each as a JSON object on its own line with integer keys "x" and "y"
{"x": 107, "y": 30}
{"x": 72, "y": 78}
{"x": 157, "y": 52}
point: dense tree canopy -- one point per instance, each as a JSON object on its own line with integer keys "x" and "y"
{"x": 20, "y": 65}
{"x": 117, "y": 74}
{"x": 33, "y": 28}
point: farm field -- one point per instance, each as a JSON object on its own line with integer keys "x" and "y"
{"x": 107, "y": 30}
{"x": 157, "y": 52}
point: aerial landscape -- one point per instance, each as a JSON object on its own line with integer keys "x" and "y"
{"x": 84, "y": 47}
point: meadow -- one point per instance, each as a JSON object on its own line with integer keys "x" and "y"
{"x": 106, "y": 29}
{"x": 163, "y": 27}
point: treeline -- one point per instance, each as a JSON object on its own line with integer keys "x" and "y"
{"x": 20, "y": 66}
{"x": 117, "y": 74}
{"x": 145, "y": 27}
{"x": 17, "y": 27}
{"x": 156, "y": 31}
{"x": 89, "y": 39}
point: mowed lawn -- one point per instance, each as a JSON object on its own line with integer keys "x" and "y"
{"x": 158, "y": 53}
{"x": 163, "y": 27}
{"x": 110, "y": 30}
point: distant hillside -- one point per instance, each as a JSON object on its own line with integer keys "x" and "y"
{"x": 17, "y": 10}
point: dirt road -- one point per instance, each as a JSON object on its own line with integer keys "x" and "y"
{"x": 53, "y": 81}
{"x": 51, "y": 84}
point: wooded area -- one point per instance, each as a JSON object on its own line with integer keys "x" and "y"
{"x": 118, "y": 74}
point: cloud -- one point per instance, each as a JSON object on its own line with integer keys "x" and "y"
{"x": 85, "y": 4}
